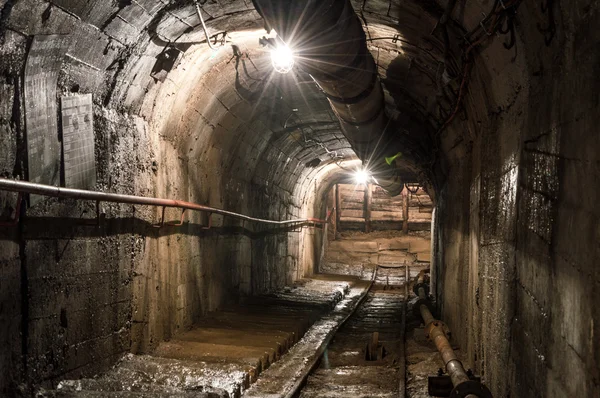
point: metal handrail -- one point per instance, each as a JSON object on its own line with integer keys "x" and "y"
{"x": 60, "y": 192}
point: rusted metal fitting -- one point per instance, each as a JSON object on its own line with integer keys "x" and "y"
{"x": 436, "y": 328}
{"x": 471, "y": 388}
{"x": 441, "y": 386}
{"x": 423, "y": 285}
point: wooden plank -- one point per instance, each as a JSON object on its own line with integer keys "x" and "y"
{"x": 368, "y": 198}
{"x": 387, "y": 207}
{"x": 354, "y": 225}
{"x": 354, "y": 213}
{"x": 43, "y": 65}
{"x": 78, "y": 141}
{"x": 349, "y": 190}
{"x": 386, "y": 216}
{"x": 352, "y": 200}
{"x": 352, "y": 205}
{"x": 386, "y": 225}
{"x": 405, "y": 210}
{"x": 338, "y": 210}
{"x": 419, "y": 226}
{"x": 414, "y": 214}
{"x": 422, "y": 201}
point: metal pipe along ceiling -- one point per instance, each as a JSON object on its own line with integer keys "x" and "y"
{"x": 330, "y": 44}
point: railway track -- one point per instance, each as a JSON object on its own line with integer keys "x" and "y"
{"x": 365, "y": 357}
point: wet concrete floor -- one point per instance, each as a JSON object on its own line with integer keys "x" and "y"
{"x": 305, "y": 338}
{"x": 226, "y": 352}
{"x": 352, "y": 366}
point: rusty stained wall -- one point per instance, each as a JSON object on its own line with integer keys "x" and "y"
{"x": 517, "y": 217}
{"x": 75, "y": 297}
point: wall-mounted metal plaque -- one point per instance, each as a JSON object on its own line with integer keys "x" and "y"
{"x": 78, "y": 141}
{"x": 41, "y": 74}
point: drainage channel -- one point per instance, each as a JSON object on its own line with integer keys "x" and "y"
{"x": 357, "y": 351}
{"x": 224, "y": 353}
{"x": 365, "y": 358}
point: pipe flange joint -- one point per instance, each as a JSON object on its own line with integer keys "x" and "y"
{"x": 437, "y": 324}
{"x": 425, "y": 287}
{"x": 417, "y": 307}
{"x": 470, "y": 387}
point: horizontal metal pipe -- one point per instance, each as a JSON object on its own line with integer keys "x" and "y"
{"x": 59, "y": 192}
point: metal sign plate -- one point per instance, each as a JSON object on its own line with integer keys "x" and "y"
{"x": 78, "y": 141}
{"x": 41, "y": 74}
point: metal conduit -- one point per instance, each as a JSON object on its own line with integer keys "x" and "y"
{"x": 439, "y": 333}
{"x": 59, "y": 192}
{"x": 331, "y": 45}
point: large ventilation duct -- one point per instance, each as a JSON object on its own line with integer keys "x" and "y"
{"x": 330, "y": 44}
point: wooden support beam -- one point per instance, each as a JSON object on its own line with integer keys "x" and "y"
{"x": 368, "y": 205}
{"x": 338, "y": 211}
{"x": 405, "y": 210}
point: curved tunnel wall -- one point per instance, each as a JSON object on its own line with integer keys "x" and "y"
{"x": 214, "y": 130}
{"x": 516, "y": 177}
{"x": 517, "y": 225}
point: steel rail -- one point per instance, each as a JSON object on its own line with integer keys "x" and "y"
{"x": 316, "y": 359}
{"x": 60, "y": 192}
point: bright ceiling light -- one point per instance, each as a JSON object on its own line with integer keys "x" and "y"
{"x": 362, "y": 177}
{"x": 282, "y": 58}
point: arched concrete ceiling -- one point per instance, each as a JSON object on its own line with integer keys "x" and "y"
{"x": 290, "y": 107}
{"x": 226, "y": 109}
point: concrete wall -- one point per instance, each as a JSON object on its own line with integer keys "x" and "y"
{"x": 75, "y": 297}
{"x": 516, "y": 211}
{"x": 517, "y": 216}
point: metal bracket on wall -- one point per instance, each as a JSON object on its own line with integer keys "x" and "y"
{"x": 441, "y": 385}
{"x": 173, "y": 224}
{"x": 210, "y": 222}
{"x": 100, "y": 216}
{"x": 15, "y": 220}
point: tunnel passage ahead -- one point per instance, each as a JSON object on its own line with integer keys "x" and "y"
{"x": 514, "y": 175}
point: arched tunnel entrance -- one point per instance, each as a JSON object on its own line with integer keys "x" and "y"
{"x": 177, "y": 218}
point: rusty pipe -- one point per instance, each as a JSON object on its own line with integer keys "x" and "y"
{"x": 59, "y": 192}
{"x": 426, "y": 314}
{"x": 454, "y": 367}
{"x": 330, "y": 44}
{"x": 438, "y": 332}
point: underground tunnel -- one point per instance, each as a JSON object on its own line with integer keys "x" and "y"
{"x": 315, "y": 198}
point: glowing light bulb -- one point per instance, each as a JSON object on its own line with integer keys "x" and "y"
{"x": 362, "y": 177}
{"x": 282, "y": 58}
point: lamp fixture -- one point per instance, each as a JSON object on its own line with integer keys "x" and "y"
{"x": 362, "y": 177}
{"x": 282, "y": 58}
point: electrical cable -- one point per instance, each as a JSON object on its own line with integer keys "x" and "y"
{"x": 204, "y": 26}
{"x": 492, "y": 28}
{"x": 481, "y": 33}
